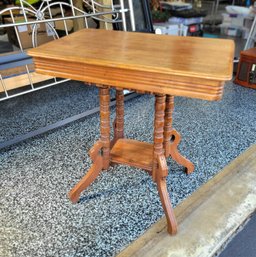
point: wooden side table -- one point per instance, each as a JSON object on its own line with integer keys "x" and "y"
{"x": 161, "y": 65}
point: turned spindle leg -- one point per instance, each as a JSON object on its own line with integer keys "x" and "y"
{"x": 160, "y": 170}
{"x": 119, "y": 120}
{"x": 105, "y": 125}
{"x": 172, "y": 138}
{"x": 169, "y": 107}
{"x": 158, "y": 130}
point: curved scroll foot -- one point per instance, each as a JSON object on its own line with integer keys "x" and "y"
{"x": 173, "y": 151}
{"x": 164, "y": 196}
{"x": 91, "y": 175}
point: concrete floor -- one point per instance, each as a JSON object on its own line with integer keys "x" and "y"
{"x": 243, "y": 244}
{"x": 38, "y": 220}
{"x": 209, "y": 217}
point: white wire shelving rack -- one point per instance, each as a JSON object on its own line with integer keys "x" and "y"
{"x": 20, "y": 17}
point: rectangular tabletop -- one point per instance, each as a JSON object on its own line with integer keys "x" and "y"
{"x": 159, "y": 64}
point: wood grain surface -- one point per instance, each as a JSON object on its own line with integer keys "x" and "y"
{"x": 163, "y": 65}
{"x": 184, "y": 66}
{"x": 133, "y": 153}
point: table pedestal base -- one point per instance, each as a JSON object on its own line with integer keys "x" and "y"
{"x": 150, "y": 157}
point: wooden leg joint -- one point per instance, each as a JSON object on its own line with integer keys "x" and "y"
{"x": 161, "y": 175}
{"x": 173, "y": 150}
{"x": 96, "y": 150}
{"x": 162, "y": 166}
{"x": 172, "y": 137}
{"x": 97, "y": 166}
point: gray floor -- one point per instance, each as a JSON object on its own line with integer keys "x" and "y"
{"x": 21, "y": 115}
{"x": 37, "y": 219}
{"x": 244, "y": 243}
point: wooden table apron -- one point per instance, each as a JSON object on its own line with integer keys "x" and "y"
{"x": 131, "y": 61}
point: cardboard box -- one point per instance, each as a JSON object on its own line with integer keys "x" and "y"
{"x": 60, "y": 25}
{"x": 233, "y": 19}
{"x": 170, "y": 29}
{"x": 232, "y": 31}
{"x": 43, "y": 34}
{"x": 167, "y": 29}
